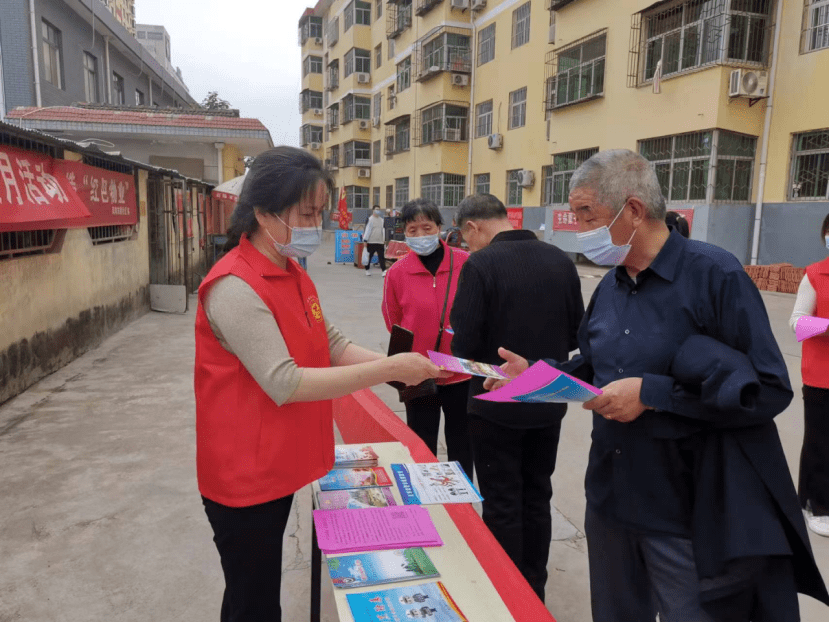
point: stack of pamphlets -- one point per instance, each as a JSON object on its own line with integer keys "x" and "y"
{"x": 345, "y": 457}
{"x": 543, "y": 383}
{"x": 373, "y": 497}
{"x": 434, "y": 483}
{"x": 424, "y": 602}
{"x": 355, "y": 478}
{"x": 367, "y": 529}
{"x": 386, "y": 567}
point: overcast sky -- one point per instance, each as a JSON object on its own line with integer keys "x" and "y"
{"x": 245, "y": 49}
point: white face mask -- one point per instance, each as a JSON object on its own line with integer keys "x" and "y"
{"x": 304, "y": 241}
{"x": 598, "y": 247}
{"x": 423, "y": 245}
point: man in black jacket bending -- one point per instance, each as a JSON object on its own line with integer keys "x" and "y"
{"x": 516, "y": 290}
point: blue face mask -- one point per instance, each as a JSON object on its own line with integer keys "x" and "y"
{"x": 827, "y": 241}
{"x": 304, "y": 241}
{"x": 598, "y": 247}
{"x": 422, "y": 245}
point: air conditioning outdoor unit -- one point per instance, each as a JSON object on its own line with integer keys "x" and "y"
{"x": 362, "y": 162}
{"x": 318, "y": 40}
{"x": 526, "y": 178}
{"x": 460, "y": 4}
{"x": 363, "y": 124}
{"x": 364, "y": 172}
{"x": 318, "y": 112}
{"x": 479, "y": 4}
{"x": 452, "y": 134}
{"x": 315, "y": 146}
{"x": 363, "y": 78}
{"x": 494, "y": 141}
{"x": 376, "y": 121}
{"x": 748, "y": 83}
{"x": 460, "y": 80}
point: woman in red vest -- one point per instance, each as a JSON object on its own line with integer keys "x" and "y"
{"x": 813, "y": 470}
{"x": 267, "y": 367}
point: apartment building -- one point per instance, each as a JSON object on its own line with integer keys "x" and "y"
{"x": 441, "y": 98}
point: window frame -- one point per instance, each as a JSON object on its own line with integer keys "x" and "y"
{"x": 484, "y": 119}
{"x": 521, "y": 27}
{"x": 91, "y": 78}
{"x": 480, "y": 182}
{"x": 119, "y": 95}
{"x": 795, "y": 154}
{"x": 487, "y": 39}
{"x": 401, "y": 191}
{"x": 809, "y": 31}
{"x": 52, "y": 46}
{"x": 575, "y": 74}
{"x": 559, "y": 173}
{"x": 434, "y": 127}
{"x": 404, "y": 75}
{"x": 513, "y": 180}
{"x": 518, "y": 109}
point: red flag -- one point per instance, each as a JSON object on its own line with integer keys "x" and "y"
{"x": 345, "y": 217}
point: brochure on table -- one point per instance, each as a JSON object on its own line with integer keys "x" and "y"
{"x": 434, "y": 483}
{"x": 370, "y": 568}
{"x": 543, "y": 383}
{"x": 355, "y": 478}
{"x": 366, "y": 529}
{"x": 372, "y": 497}
{"x": 423, "y": 602}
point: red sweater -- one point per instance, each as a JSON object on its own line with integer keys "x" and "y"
{"x": 814, "y": 368}
{"x": 248, "y": 449}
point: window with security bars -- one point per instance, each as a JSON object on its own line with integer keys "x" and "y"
{"x": 521, "y": 26}
{"x": 404, "y": 78}
{"x": 334, "y": 156}
{"x": 814, "y": 34}
{"x": 312, "y": 65}
{"x": 356, "y": 107}
{"x": 310, "y": 99}
{"x": 518, "y": 108}
{"x": 357, "y": 12}
{"x": 401, "y": 191}
{"x": 514, "y": 189}
{"x": 376, "y": 152}
{"x": 444, "y": 122}
{"x": 52, "y": 55}
{"x": 357, "y": 60}
{"x": 557, "y": 177}
{"x": 487, "y": 44}
{"x": 378, "y": 55}
{"x": 357, "y": 154}
{"x": 375, "y": 196}
{"x": 311, "y": 26}
{"x": 310, "y": 134}
{"x": 90, "y": 77}
{"x": 104, "y": 234}
{"x": 357, "y": 197}
{"x": 377, "y": 104}
{"x": 733, "y": 169}
{"x": 398, "y": 17}
{"x": 333, "y": 31}
{"x": 390, "y": 195}
{"x": 333, "y": 116}
{"x": 334, "y": 75}
{"x": 809, "y": 166}
{"x": 447, "y": 52}
{"x": 21, "y": 243}
{"x": 483, "y": 184}
{"x": 578, "y": 73}
{"x": 445, "y": 190}
{"x": 119, "y": 98}
{"x": 397, "y": 136}
{"x": 484, "y": 119}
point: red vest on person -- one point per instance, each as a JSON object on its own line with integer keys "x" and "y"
{"x": 248, "y": 449}
{"x": 814, "y": 367}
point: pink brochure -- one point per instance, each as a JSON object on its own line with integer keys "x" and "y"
{"x": 543, "y": 383}
{"x": 465, "y": 366}
{"x": 365, "y": 529}
{"x": 810, "y": 326}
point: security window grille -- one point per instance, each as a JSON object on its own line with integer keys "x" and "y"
{"x": 310, "y": 99}
{"x": 390, "y": 195}
{"x": 375, "y": 195}
{"x": 348, "y": 16}
{"x": 557, "y": 177}
{"x": 809, "y": 165}
{"x": 444, "y": 122}
{"x": 52, "y": 55}
{"x": 518, "y": 108}
{"x": 749, "y": 21}
{"x": 334, "y": 75}
{"x": 118, "y": 96}
{"x": 110, "y": 233}
{"x": 814, "y": 34}
{"x": 377, "y": 104}
{"x": 376, "y": 152}
{"x": 312, "y": 65}
{"x": 397, "y": 136}
{"x": 390, "y": 49}
{"x": 446, "y": 52}
{"x": 357, "y": 197}
{"x": 333, "y": 31}
{"x": 487, "y": 44}
{"x": 20, "y": 243}
{"x": 576, "y": 73}
{"x": 378, "y": 55}
{"x": 483, "y": 184}
{"x": 514, "y": 190}
{"x": 357, "y": 60}
{"x": 444, "y": 189}
{"x": 401, "y": 191}
{"x": 356, "y": 153}
{"x": 139, "y": 98}
{"x": 391, "y": 98}
{"x": 398, "y": 17}
{"x": 334, "y": 116}
{"x": 521, "y": 26}
{"x": 311, "y": 26}
{"x": 404, "y": 74}
{"x": 334, "y": 156}
{"x": 90, "y": 77}
{"x": 484, "y": 119}
{"x": 356, "y": 107}
{"x": 311, "y": 134}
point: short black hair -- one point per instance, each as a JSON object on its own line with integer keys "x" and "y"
{"x": 480, "y": 207}
{"x": 677, "y": 221}
{"x": 376, "y": 207}
{"x": 824, "y": 226}
{"x": 418, "y": 207}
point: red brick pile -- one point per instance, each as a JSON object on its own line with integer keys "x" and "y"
{"x": 776, "y": 277}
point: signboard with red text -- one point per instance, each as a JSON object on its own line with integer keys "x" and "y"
{"x": 564, "y": 220}
{"x": 516, "y": 217}
{"x": 109, "y": 196}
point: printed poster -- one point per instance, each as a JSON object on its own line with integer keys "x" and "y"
{"x": 434, "y": 483}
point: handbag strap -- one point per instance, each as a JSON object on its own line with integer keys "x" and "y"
{"x": 446, "y": 300}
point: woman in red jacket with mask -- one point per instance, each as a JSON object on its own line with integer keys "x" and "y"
{"x": 267, "y": 366}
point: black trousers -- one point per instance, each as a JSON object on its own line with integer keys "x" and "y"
{"x": 249, "y": 540}
{"x": 813, "y": 468}
{"x": 423, "y": 415}
{"x": 373, "y": 249}
{"x": 514, "y": 468}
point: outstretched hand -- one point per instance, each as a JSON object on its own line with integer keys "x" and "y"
{"x": 513, "y": 366}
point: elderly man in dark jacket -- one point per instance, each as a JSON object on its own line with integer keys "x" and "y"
{"x": 691, "y": 510}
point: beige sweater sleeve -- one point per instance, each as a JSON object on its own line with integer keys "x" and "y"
{"x": 245, "y": 327}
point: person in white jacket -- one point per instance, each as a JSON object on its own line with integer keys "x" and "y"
{"x": 374, "y": 236}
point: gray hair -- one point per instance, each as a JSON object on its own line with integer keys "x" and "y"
{"x": 616, "y": 175}
{"x": 479, "y": 207}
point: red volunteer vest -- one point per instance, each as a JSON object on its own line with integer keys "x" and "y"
{"x": 248, "y": 449}
{"x": 814, "y": 368}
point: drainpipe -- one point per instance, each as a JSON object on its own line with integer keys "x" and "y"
{"x": 35, "y": 59}
{"x": 471, "y": 114}
{"x": 108, "y": 77}
{"x": 150, "y": 85}
{"x": 220, "y": 162}
{"x": 2, "y": 87}
{"x": 762, "y": 169}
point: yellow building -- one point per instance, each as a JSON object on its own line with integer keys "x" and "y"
{"x": 441, "y": 98}
{"x": 124, "y": 11}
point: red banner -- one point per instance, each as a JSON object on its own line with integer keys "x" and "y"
{"x": 516, "y": 217}
{"x": 564, "y": 220}
{"x": 344, "y": 217}
{"x": 108, "y": 195}
{"x": 34, "y": 194}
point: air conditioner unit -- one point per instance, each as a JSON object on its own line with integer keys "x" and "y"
{"x": 526, "y": 178}
{"x": 479, "y": 4}
{"x": 364, "y": 172}
{"x": 460, "y": 4}
{"x": 363, "y": 124}
{"x": 318, "y": 40}
{"x": 552, "y": 34}
{"x": 460, "y": 80}
{"x": 363, "y": 78}
{"x": 452, "y": 134}
{"x": 376, "y": 121}
{"x": 494, "y": 141}
{"x": 318, "y": 112}
{"x": 748, "y": 83}
{"x": 315, "y": 146}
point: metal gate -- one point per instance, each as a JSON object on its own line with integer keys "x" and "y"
{"x": 168, "y": 252}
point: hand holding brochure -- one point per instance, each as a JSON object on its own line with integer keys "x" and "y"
{"x": 465, "y": 366}
{"x": 543, "y": 383}
{"x": 370, "y": 568}
{"x": 424, "y": 602}
{"x": 810, "y": 326}
{"x": 434, "y": 483}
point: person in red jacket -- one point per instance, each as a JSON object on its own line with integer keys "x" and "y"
{"x": 813, "y": 468}
{"x": 414, "y": 295}
{"x": 267, "y": 367}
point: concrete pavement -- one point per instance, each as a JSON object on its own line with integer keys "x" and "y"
{"x": 100, "y": 516}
